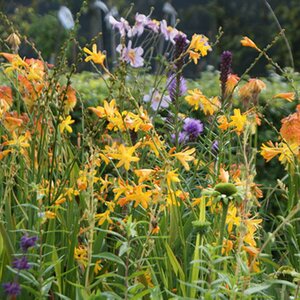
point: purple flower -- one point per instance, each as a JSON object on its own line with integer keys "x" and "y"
{"x": 133, "y": 56}
{"x": 27, "y": 242}
{"x": 138, "y": 28}
{"x": 121, "y": 25}
{"x": 12, "y": 288}
{"x": 153, "y": 25}
{"x": 172, "y": 86}
{"x": 182, "y": 137}
{"x": 215, "y": 147}
{"x": 157, "y": 100}
{"x": 226, "y": 60}
{"x": 193, "y": 127}
{"x": 21, "y": 263}
{"x": 180, "y": 47}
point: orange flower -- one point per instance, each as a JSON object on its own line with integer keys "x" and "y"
{"x": 223, "y": 121}
{"x": 232, "y": 81}
{"x": 252, "y": 88}
{"x": 290, "y": 129}
{"x": 246, "y": 42}
{"x": 290, "y": 97}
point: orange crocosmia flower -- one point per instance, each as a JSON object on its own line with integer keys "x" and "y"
{"x": 12, "y": 123}
{"x": 70, "y": 99}
{"x": 6, "y": 95}
{"x": 4, "y": 153}
{"x": 231, "y": 82}
{"x": 224, "y": 175}
{"x": 252, "y": 88}
{"x": 223, "y": 121}
{"x": 290, "y": 129}
{"x": 246, "y": 42}
{"x": 290, "y": 97}
{"x": 50, "y": 215}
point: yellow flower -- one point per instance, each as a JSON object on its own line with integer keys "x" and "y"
{"x": 200, "y": 44}
{"x": 285, "y": 151}
{"x": 143, "y": 174}
{"x": 65, "y": 125}
{"x": 194, "y": 98}
{"x": 50, "y": 215}
{"x": 104, "y": 217}
{"x": 185, "y": 156}
{"x": 252, "y": 88}
{"x": 96, "y": 57}
{"x": 246, "y": 42}
{"x": 125, "y": 156}
{"x": 172, "y": 176}
{"x": 252, "y": 225}
{"x": 19, "y": 141}
{"x": 232, "y": 218}
{"x": 290, "y": 97}
{"x": 139, "y": 196}
{"x": 238, "y": 121}
{"x": 80, "y": 254}
{"x": 194, "y": 56}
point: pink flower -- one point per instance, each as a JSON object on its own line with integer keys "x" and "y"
{"x": 140, "y": 22}
{"x": 153, "y": 25}
{"x": 133, "y": 56}
{"x": 121, "y": 25}
{"x": 157, "y": 100}
{"x": 168, "y": 32}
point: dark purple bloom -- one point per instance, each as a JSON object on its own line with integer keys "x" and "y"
{"x": 180, "y": 46}
{"x": 193, "y": 127}
{"x": 226, "y": 60}
{"x": 215, "y": 147}
{"x": 21, "y": 263}
{"x": 12, "y": 288}
{"x": 172, "y": 86}
{"x": 27, "y": 242}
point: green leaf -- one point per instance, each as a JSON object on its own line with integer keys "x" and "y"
{"x": 256, "y": 289}
{"x": 110, "y": 257}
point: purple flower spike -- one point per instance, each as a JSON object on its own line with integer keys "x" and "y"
{"x": 226, "y": 60}
{"x": 172, "y": 86}
{"x": 21, "y": 263}
{"x": 215, "y": 147}
{"x": 27, "y": 242}
{"x": 12, "y": 288}
{"x": 193, "y": 127}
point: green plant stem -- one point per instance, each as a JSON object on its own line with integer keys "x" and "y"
{"x": 222, "y": 227}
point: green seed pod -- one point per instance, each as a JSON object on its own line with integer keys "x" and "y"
{"x": 201, "y": 227}
{"x": 227, "y": 189}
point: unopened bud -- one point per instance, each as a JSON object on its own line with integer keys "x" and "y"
{"x": 14, "y": 41}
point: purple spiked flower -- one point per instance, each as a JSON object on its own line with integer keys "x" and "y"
{"x": 21, "y": 263}
{"x": 215, "y": 147}
{"x": 193, "y": 127}
{"x": 12, "y": 288}
{"x": 226, "y": 60}
{"x": 172, "y": 86}
{"x": 27, "y": 242}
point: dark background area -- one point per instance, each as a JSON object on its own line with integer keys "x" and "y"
{"x": 38, "y": 20}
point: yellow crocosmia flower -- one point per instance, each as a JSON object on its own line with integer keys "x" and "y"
{"x": 96, "y": 57}
{"x": 155, "y": 143}
{"x": 97, "y": 267}
{"x": 4, "y": 153}
{"x": 252, "y": 225}
{"x": 227, "y": 246}
{"x": 172, "y": 176}
{"x": 223, "y": 121}
{"x": 290, "y": 97}
{"x": 185, "y": 156}
{"x": 285, "y": 151}
{"x": 246, "y": 42}
{"x": 104, "y": 217}
{"x": 194, "y": 98}
{"x": 143, "y": 174}
{"x": 200, "y": 44}
{"x": 125, "y": 156}
{"x": 269, "y": 151}
{"x": 80, "y": 254}
{"x": 65, "y": 125}
{"x": 210, "y": 106}
{"x": 50, "y": 215}
{"x": 194, "y": 56}
{"x": 140, "y": 196}
{"x": 232, "y": 218}
{"x": 172, "y": 199}
{"x": 19, "y": 141}
{"x": 238, "y": 121}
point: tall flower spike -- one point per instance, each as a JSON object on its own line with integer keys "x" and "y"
{"x": 226, "y": 60}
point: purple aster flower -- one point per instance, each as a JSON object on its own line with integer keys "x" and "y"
{"x": 193, "y": 127}
{"x": 21, "y": 263}
{"x": 172, "y": 86}
{"x": 215, "y": 147}
{"x": 157, "y": 99}
{"x": 27, "y": 242}
{"x": 226, "y": 60}
{"x": 133, "y": 56}
{"x": 12, "y": 288}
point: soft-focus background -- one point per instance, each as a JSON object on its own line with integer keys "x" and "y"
{"x": 38, "y": 19}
